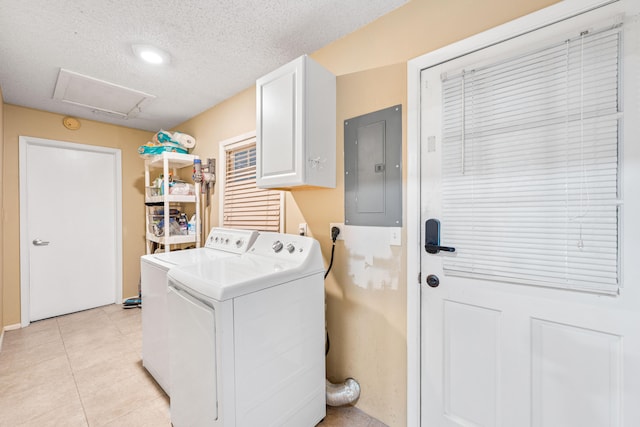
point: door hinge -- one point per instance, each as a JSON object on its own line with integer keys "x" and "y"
{"x": 420, "y": 277}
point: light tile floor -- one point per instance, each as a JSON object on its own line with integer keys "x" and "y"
{"x": 84, "y": 369}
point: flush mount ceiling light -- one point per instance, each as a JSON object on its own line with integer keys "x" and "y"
{"x": 151, "y": 54}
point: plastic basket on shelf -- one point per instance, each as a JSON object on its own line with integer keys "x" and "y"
{"x": 178, "y": 224}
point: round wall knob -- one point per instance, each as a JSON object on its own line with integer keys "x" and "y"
{"x": 433, "y": 281}
{"x": 277, "y": 246}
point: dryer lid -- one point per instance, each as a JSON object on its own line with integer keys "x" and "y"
{"x": 189, "y": 256}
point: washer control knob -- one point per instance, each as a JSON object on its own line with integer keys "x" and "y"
{"x": 277, "y": 246}
{"x": 226, "y": 241}
{"x": 239, "y": 243}
{"x": 290, "y": 248}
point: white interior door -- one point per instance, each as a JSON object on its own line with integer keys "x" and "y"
{"x": 496, "y": 352}
{"x": 70, "y": 227}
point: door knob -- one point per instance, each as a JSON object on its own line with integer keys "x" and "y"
{"x": 433, "y": 281}
{"x": 39, "y": 242}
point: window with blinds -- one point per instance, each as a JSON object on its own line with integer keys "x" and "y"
{"x": 530, "y": 166}
{"x": 245, "y": 205}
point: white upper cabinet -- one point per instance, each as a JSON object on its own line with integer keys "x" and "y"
{"x": 296, "y": 126}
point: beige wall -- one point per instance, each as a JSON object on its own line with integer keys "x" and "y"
{"x": 233, "y": 117}
{"x": 366, "y": 315}
{"x": 366, "y": 323}
{"x": 2, "y": 322}
{"x": 419, "y": 27}
{"x": 27, "y": 122}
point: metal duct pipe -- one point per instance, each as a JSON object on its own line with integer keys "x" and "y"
{"x": 342, "y": 394}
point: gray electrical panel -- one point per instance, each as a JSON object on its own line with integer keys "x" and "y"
{"x": 373, "y": 169}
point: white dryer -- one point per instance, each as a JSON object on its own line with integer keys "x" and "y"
{"x": 221, "y": 243}
{"x": 247, "y": 337}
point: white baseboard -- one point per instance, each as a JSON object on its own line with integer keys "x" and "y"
{"x": 12, "y": 327}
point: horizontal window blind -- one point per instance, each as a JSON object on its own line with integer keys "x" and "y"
{"x": 530, "y": 166}
{"x": 245, "y": 205}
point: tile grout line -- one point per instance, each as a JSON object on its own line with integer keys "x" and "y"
{"x": 73, "y": 375}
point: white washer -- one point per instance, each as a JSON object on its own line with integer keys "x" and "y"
{"x": 247, "y": 337}
{"x": 221, "y": 243}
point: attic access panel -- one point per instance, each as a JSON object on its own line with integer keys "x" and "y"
{"x": 373, "y": 169}
{"x": 99, "y": 95}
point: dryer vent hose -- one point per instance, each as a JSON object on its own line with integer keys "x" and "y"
{"x": 343, "y": 394}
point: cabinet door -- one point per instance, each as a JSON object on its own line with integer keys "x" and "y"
{"x": 279, "y": 147}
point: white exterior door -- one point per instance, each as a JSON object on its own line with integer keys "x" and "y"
{"x": 499, "y": 353}
{"x": 70, "y": 227}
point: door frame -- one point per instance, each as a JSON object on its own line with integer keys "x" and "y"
{"x": 24, "y": 143}
{"x": 526, "y": 24}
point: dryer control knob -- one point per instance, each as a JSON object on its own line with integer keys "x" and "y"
{"x": 239, "y": 243}
{"x": 277, "y": 246}
{"x": 290, "y": 248}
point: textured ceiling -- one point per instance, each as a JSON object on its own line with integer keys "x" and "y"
{"x": 218, "y": 47}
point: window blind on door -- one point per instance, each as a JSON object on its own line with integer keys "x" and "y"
{"x": 245, "y": 205}
{"x": 530, "y": 166}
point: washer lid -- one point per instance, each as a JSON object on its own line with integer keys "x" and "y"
{"x": 186, "y": 257}
{"x": 232, "y": 277}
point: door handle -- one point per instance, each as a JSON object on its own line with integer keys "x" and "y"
{"x": 434, "y": 249}
{"x": 432, "y": 238}
{"x": 39, "y": 242}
